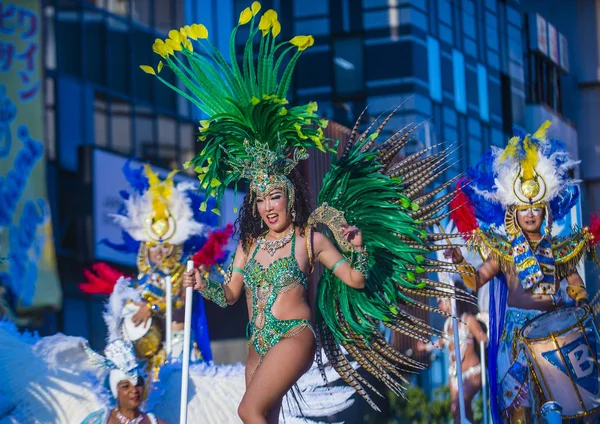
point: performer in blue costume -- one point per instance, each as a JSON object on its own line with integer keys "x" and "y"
{"x": 161, "y": 222}
{"x": 524, "y": 188}
{"x": 127, "y": 386}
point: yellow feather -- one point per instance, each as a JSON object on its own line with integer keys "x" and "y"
{"x": 531, "y": 159}
{"x": 542, "y": 131}
{"x": 160, "y": 191}
{"x": 511, "y": 149}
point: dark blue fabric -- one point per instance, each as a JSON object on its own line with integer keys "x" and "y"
{"x": 200, "y": 327}
{"x": 498, "y": 303}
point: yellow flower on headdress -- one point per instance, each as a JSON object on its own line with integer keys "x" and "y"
{"x": 249, "y": 12}
{"x": 299, "y": 131}
{"x": 174, "y": 45}
{"x": 175, "y": 36}
{"x": 302, "y": 41}
{"x": 188, "y": 44}
{"x": 267, "y": 20}
{"x": 312, "y": 107}
{"x": 148, "y": 69}
{"x": 196, "y": 31}
{"x": 160, "y": 48}
{"x": 245, "y": 16}
{"x": 276, "y": 29}
{"x": 317, "y": 141}
{"x": 204, "y": 124}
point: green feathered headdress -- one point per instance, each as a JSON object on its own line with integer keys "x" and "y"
{"x": 246, "y": 102}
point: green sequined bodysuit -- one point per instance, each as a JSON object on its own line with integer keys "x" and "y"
{"x": 265, "y": 285}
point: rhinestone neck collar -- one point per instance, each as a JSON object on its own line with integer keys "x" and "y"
{"x": 271, "y": 246}
{"x": 124, "y": 420}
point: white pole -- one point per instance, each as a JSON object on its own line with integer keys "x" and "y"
{"x": 483, "y": 382}
{"x": 459, "y": 380}
{"x": 185, "y": 368}
{"x": 169, "y": 318}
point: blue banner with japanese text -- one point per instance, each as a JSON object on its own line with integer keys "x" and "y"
{"x": 28, "y": 272}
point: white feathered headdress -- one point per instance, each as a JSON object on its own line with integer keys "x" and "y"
{"x": 119, "y": 361}
{"x": 161, "y": 213}
{"x": 532, "y": 170}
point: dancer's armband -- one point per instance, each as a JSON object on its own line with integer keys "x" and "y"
{"x": 360, "y": 262}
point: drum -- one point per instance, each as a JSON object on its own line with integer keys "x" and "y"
{"x": 146, "y": 338}
{"x": 562, "y": 348}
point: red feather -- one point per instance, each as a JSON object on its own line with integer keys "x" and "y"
{"x": 463, "y": 213}
{"x": 595, "y": 229}
{"x": 101, "y": 280}
{"x": 213, "y": 250}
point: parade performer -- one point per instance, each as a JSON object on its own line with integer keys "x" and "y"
{"x": 160, "y": 222}
{"x": 523, "y": 187}
{"x": 126, "y": 385}
{"x": 471, "y": 334}
{"x": 252, "y": 134}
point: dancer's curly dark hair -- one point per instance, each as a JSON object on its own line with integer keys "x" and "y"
{"x": 248, "y": 224}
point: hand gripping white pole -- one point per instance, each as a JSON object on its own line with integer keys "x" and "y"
{"x": 185, "y": 368}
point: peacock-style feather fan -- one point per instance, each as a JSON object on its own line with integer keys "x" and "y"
{"x": 246, "y": 101}
{"x": 386, "y": 200}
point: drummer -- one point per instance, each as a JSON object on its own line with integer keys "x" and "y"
{"x": 524, "y": 187}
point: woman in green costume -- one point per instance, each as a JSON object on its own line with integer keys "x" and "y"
{"x": 252, "y": 134}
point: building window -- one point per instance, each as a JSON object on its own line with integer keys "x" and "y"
{"x": 482, "y": 89}
{"x": 434, "y": 68}
{"x": 460, "y": 97}
{"x": 544, "y": 82}
{"x": 348, "y": 66}
{"x": 506, "y": 91}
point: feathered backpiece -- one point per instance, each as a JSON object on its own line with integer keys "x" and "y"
{"x": 158, "y": 210}
{"x": 101, "y": 279}
{"x": 463, "y": 212}
{"x": 213, "y": 250}
{"x": 388, "y": 201}
{"x": 532, "y": 170}
{"x": 245, "y": 101}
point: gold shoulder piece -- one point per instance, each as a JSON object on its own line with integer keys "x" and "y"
{"x": 334, "y": 220}
{"x": 569, "y": 251}
{"x": 492, "y": 244}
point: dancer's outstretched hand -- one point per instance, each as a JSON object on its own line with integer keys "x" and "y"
{"x": 455, "y": 254}
{"x": 354, "y": 236}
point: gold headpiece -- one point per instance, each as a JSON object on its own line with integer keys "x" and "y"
{"x": 267, "y": 169}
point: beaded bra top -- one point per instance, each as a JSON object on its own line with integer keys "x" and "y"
{"x": 267, "y": 283}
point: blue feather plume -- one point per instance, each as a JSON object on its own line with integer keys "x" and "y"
{"x": 136, "y": 177}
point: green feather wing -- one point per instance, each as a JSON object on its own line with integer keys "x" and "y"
{"x": 386, "y": 200}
